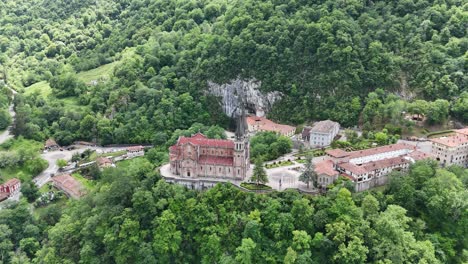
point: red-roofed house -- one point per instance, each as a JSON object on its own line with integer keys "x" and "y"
{"x": 9, "y": 188}
{"x": 326, "y": 173}
{"x": 104, "y": 162}
{"x": 370, "y": 167}
{"x": 199, "y": 156}
{"x": 261, "y": 124}
{"x": 135, "y": 151}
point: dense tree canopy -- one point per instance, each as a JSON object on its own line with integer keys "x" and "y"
{"x": 324, "y": 56}
{"x": 134, "y": 217}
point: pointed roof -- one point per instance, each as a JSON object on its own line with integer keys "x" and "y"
{"x": 241, "y": 126}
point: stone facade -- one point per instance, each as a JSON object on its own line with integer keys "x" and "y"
{"x": 198, "y": 156}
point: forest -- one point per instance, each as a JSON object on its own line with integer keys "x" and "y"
{"x": 136, "y": 71}
{"x": 134, "y": 217}
{"x": 325, "y": 57}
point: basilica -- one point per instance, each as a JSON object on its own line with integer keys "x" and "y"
{"x": 198, "y": 156}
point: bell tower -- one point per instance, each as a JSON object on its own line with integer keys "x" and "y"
{"x": 241, "y": 146}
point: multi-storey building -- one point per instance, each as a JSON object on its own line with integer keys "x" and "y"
{"x": 323, "y": 133}
{"x": 452, "y": 150}
{"x": 198, "y": 156}
{"x": 370, "y": 167}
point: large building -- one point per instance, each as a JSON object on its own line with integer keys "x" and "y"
{"x": 198, "y": 156}
{"x": 452, "y": 150}
{"x": 369, "y": 168}
{"x": 322, "y": 133}
{"x": 261, "y": 124}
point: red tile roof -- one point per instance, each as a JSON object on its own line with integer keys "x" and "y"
{"x": 379, "y": 150}
{"x": 101, "y": 161}
{"x": 201, "y": 140}
{"x": 337, "y": 153}
{"x": 451, "y": 141}
{"x": 268, "y": 125}
{"x": 11, "y": 182}
{"x": 463, "y": 131}
{"x": 374, "y": 165}
{"x": 135, "y": 148}
{"x": 212, "y": 160}
{"x": 325, "y": 168}
{"x": 68, "y": 184}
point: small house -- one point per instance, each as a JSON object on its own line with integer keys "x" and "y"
{"x": 50, "y": 144}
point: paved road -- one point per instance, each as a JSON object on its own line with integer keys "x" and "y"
{"x": 52, "y": 157}
{"x": 5, "y": 135}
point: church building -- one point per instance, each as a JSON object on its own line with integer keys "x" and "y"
{"x": 198, "y": 156}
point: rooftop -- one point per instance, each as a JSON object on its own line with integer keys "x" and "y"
{"x": 463, "y": 131}
{"x": 103, "y": 161}
{"x": 337, "y": 153}
{"x": 268, "y": 125}
{"x": 325, "y": 126}
{"x": 11, "y": 182}
{"x": 135, "y": 148}
{"x": 68, "y": 184}
{"x": 201, "y": 140}
{"x": 50, "y": 143}
{"x": 325, "y": 167}
{"x": 452, "y": 141}
{"x": 379, "y": 150}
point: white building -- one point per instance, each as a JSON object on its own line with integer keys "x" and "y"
{"x": 452, "y": 150}
{"x": 323, "y": 133}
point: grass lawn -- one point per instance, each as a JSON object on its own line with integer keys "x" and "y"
{"x": 254, "y": 187}
{"x": 15, "y": 172}
{"x": 21, "y": 143}
{"x": 103, "y": 71}
{"x": 42, "y": 88}
{"x": 88, "y": 184}
{"x": 126, "y": 163}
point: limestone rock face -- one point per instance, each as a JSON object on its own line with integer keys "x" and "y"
{"x": 248, "y": 90}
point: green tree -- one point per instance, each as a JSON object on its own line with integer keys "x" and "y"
{"x": 259, "y": 175}
{"x": 244, "y": 253}
{"x": 61, "y": 163}
{"x": 309, "y": 175}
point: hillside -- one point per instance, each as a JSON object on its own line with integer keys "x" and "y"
{"x": 324, "y": 56}
{"x": 137, "y": 71}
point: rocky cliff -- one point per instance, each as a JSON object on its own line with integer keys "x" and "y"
{"x": 232, "y": 92}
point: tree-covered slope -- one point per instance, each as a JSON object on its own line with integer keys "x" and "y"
{"x": 317, "y": 50}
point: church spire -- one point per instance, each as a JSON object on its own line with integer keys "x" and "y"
{"x": 241, "y": 126}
